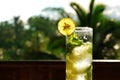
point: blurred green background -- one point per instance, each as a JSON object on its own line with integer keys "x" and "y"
{"x": 39, "y": 39}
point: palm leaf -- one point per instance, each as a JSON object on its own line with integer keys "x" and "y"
{"x": 82, "y": 15}
{"x": 97, "y": 14}
{"x": 90, "y": 12}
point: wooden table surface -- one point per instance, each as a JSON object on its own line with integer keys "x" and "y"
{"x": 54, "y": 70}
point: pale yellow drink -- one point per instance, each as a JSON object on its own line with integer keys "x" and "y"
{"x": 79, "y": 54}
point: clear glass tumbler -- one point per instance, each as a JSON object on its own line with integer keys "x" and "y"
{"x": 79, "y": 54}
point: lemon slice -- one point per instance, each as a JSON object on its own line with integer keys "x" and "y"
{"x": 66, "y": 26}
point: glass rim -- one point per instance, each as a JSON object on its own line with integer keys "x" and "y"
{"x": 78, "y": 29}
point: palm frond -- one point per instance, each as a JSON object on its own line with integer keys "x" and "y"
{"x": 90, "y": 12}
{"x": 81, "y": 13}
{"x": 98, "y": 9}
{"x": 97, "y": 14}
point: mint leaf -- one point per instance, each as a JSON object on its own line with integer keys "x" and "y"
{"x": 72, "y": 41}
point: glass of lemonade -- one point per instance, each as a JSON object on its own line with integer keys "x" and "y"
{"x": 79, "y": 54}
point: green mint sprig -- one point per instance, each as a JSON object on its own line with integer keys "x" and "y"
{"x": 72, "y": 41}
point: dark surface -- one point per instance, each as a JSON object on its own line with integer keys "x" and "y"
{"x": 32, "y": 70}
{"x": 106, "y": 70}
{"x": 53, "y": 70}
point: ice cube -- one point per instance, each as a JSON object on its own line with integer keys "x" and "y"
{"x": 82, "y": 65}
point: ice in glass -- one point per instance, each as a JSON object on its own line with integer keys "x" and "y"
{"x": 79, "y": 54}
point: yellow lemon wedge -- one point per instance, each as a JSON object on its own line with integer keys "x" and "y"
{"x": 66, "y": 26}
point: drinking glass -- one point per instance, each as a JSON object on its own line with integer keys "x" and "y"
{"x": 79, "y": 54}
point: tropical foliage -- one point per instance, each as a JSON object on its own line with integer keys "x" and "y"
{"x": 105, "y": 31}
{"x": 39, "y": 39}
